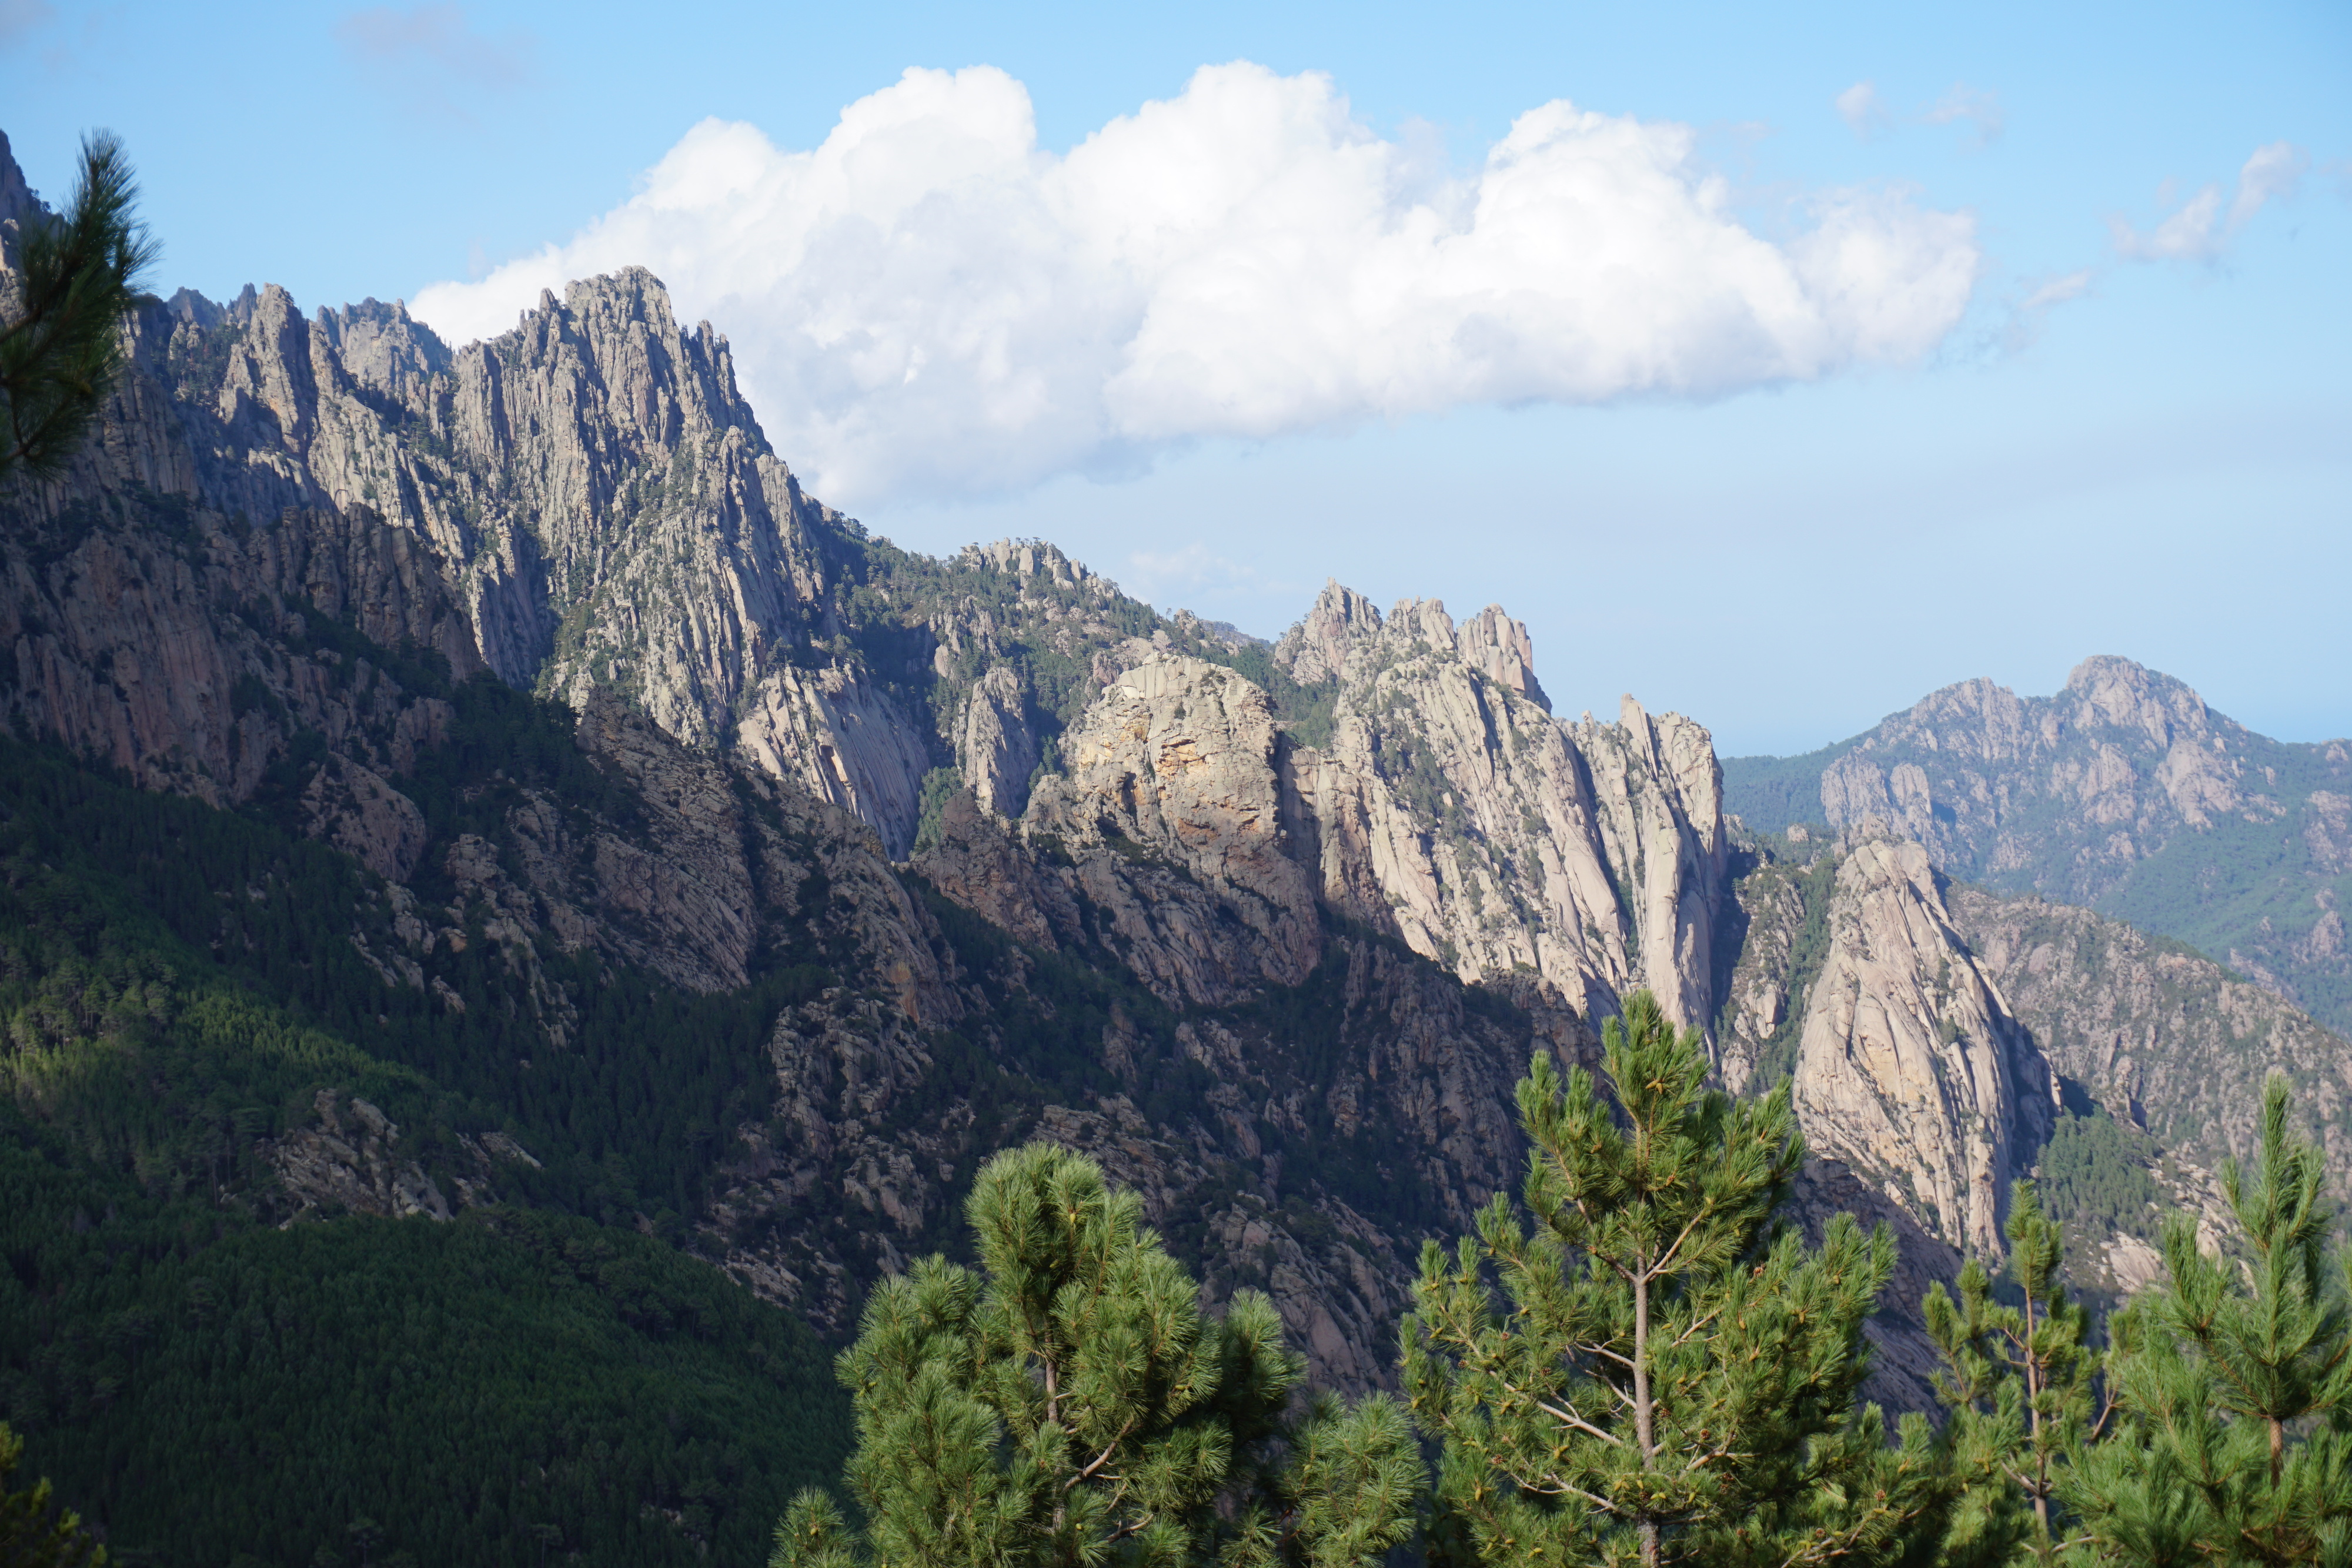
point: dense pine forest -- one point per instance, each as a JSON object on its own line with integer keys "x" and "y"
{"x": 180, "y": 985}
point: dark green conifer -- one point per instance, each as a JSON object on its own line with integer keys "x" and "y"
{"x": 2232, "y": 1385}
{"x": 33, "y": 1533}
{"x": 1068, "y": 1404}
{"x": 2018, "y": 1381}
{"x": 60, "y": 342}
{"x": 1670, "y": 1375}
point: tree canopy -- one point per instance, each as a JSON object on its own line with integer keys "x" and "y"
{"x": 1658, "y": 1370}
{"x": 60, "y": 347}
{"x": 1068, "y": 1403}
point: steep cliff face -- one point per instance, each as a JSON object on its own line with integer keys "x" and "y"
{"x": 1171, "y": 815}
{"x": 1910, "y": 1069}
{"x": 1451, "y": 808}
{"x": 191, "y": 652}
{"x": 597, "y": 444}
{"x": 2124, "y": 792}
{"x": 1945, "y": 1039}
{"x": 590, "y": 488}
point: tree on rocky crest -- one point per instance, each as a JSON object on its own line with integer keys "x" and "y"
{"x": 2018, "y": 1381}
{"x": 61, "y": 312}
{"x": 2232, "y": 1385}
{"x": 33, "y": 1533}
{"x": 1658, "y": 1371}
{"x": 1068, "y": 1403}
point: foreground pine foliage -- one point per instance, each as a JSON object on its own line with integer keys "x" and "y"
{"x": 1666, "y": 1375}
{"x": 34, "y": 1532}
{"x": 2017, "y": 1380}
{"x": 1068, "y": 1403}
{"x": 2232, "y": 1385}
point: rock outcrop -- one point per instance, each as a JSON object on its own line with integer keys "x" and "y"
{"x": 1170, "y": 813}
{"x": 189, "y": 651}
{"x": 1451, "y": 808}
{"x": 1911, "y": 1069}
{"x": 996, "y": 750}
{"x": 841, "y": 740}
{"x": 1315, "y": 651}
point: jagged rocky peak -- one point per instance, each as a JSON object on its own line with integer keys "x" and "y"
{"x": 593, "y": 440}
{"x": 2131, "y": 752}
{"x": 385, "y": 348}
{"x": 1500, "y": 649}
{"x": 2125, "y": 696}
{"x": 1315, "y": 650}
{"x": 1452, "y": 809}
{"x": 1911, "y": 1067}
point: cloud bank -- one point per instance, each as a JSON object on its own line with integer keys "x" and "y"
{"x": 928, "y": 305}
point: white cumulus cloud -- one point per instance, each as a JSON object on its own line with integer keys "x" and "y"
{"x": 928, "y": 304}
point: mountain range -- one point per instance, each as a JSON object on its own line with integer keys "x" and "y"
{"x": 2123, "y": 793}
{"x": 514, "y": 916}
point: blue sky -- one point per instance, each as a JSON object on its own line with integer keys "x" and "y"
{"x": 1787, "y": 543}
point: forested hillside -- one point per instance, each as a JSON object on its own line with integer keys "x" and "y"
{"x": 185, "y": 1012}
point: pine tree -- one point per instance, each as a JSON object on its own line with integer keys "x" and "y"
{"x": 1068, "y": 1404}
{"x": 2232, "y": 1385}
{"x": 33, "y": 1534}
{"x": 1673, "y": 1378}
{"x": 76, "y": 275}
{"x": 2017, "y": 1380}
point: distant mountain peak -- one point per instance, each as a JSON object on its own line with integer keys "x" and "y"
{"x": 2124, "y": 790}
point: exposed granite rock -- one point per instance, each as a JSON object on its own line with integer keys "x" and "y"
{"x": 2127, "y": 752}
{"x": 996, "y": 751}
{"x": 353, "y": 808}
{"x": 1451, "y": 809}
{"x": 1778, "y": 918}
{"x": 595, "y": 497}
{"x": 843, "y": 740}
{"x": 349, "y": 1159}
{"x": 1911, "y": 1069}
{"x": 165, "y": 639}
{"x": 1171, "y": 810}
{"x": 1498, "y": 648}
{"x": 977, "y": 864}
{"x": 1660, "y": 797}
{"x": 1317, "y": 650}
